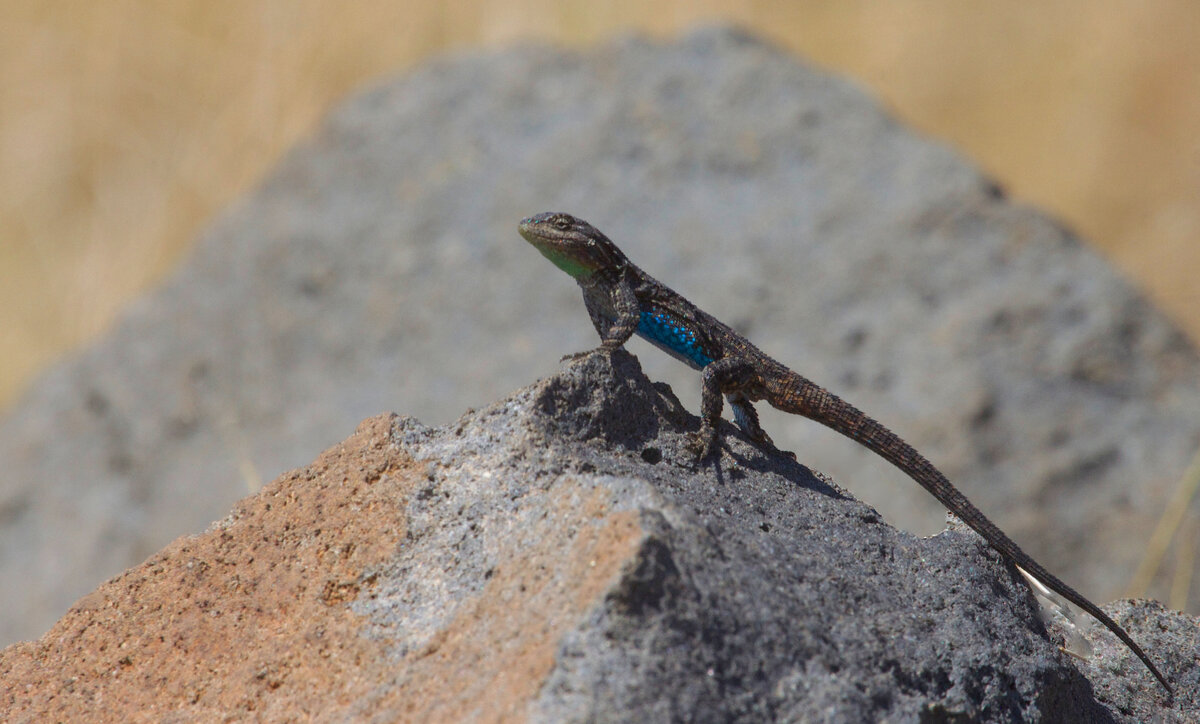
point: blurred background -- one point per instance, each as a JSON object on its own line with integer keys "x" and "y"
{"x": 126, "y": 125}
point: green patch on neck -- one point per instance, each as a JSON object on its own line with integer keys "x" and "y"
{"x": 566, "y": 262}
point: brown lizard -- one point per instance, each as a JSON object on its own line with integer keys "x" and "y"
{"x": 622, "y": 300}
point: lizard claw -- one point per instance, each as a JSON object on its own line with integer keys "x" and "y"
{"x": 606, "y": 347}
{"x": 765, "y": 440}
{"x": 581, "y": 354}
{"x": 704, "y": 443}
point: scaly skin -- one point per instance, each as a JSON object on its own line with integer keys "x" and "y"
{"x": 622, "y": 300}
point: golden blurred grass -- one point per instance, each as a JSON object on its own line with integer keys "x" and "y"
{"x": 125, "y": 125}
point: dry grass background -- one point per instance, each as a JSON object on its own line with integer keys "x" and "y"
{"x": 126, "y": 124}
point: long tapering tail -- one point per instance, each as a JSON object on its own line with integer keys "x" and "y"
{"x": 805, "y": 398}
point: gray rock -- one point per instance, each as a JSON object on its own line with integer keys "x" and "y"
{"x": 756, "y": 590}
{"x": 378, "y": 268}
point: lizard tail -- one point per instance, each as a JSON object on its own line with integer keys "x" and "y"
{"x": 802, "y": 397}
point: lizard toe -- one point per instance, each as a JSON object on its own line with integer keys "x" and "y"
{"x": 704, "y": 444}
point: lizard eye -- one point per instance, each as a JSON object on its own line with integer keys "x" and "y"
{"x": 561, "y": 223}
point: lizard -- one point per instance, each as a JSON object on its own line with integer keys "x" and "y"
{"x": 622, "y": 300}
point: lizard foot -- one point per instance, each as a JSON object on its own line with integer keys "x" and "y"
{"x": 581, "y": 354}
{"x": 768, "y": 443}
{"x": 607, "y": 347}
{"x": 762, "y": 439}
{"x": 704, "y": 444}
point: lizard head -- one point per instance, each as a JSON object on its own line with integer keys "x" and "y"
{"x": 574, "y": 245}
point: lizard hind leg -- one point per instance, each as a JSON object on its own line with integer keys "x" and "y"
{"x": 746, "y": 417}
{"x": 725, "y": 376}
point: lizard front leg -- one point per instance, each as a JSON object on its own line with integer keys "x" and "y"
{"x": 614, "y": 332}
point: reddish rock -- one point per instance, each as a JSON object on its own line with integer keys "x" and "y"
{"x": 250, "y": 619}
{"x": 246, "y": 617}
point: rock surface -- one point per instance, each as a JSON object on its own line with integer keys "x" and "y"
{"x": 379, "y": 268}
{"x": 559, "y": 556}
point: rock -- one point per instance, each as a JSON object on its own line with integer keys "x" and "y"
{"x": 560, "y": 556}
{"x": 379, "y": 268}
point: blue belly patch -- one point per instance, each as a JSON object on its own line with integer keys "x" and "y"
{"x": 669, "y": 334}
